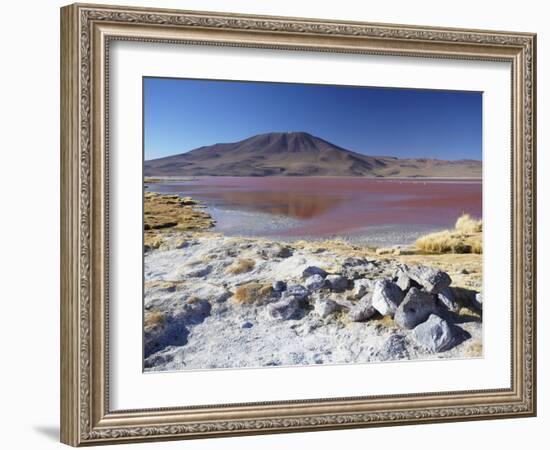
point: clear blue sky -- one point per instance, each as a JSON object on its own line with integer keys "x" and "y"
{"x": 182, "y": 114}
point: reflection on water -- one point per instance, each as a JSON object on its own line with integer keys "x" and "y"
{"x": 292, "y": 207}
{"x": 298, "y": 205}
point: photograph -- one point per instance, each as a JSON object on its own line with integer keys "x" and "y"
{"x": 291, "y": 224}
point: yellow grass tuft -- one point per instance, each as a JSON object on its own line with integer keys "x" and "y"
{"x": 465, "y": 238}
{"x": 443, "y": 242}
{"x": 241, "y": 266}
{"x": 251, "y": 293}
{"x": 154, "y": 319}
{"x": 466, "y": 224}
{"x": 476, "y": 244}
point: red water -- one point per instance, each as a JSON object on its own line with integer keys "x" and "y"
{"x": 340, "y": 205}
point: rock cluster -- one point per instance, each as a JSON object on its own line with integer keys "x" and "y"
{"x": 418, "y": 298}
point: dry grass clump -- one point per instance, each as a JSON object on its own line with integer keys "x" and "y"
{"x": 152, "y": 241}
{"x": 443, "y": 242}
{"x": 468, "y": 225}
{"x": 162, "y": 285}
{"x": 154, "y": 319}
{"x": 252, "y": 293}
{"x": 465, "y": 238}
{"x": 241, "y": 266}
{"x": 476, "y": 244}
{"x": 162, "y": 211}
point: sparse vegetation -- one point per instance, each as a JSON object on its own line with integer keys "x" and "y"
{"x": 467, "y": 225}
{"x": 152, "y": 240}
{"x": 251, "y": 293}
{"x": 172, "y": 212}
{"x": 241, "y": 266}
{"x": 154, "y": 319}
{"x": 465, "y": 238}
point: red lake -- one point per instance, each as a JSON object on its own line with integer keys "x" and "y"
{"x": 371, "y": 210}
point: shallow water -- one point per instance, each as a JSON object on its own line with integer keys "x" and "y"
{"x": 363, "y": 210}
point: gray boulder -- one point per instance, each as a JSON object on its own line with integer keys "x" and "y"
{"x": 386, "y": 297}
{"x": 355, "y": 268}
{"x": 288, "y": 307}
{"x": 314, "y": 282}
{"x": 395, "y": 347}
{"x": 415, "y": 308}
{"x": 325, "y": 307}
{"x": 435, "y": 334}
{"x": 337, "y": 283}
{"x": 354, "y": 261}
{"x": 298, "y": 291}
{"x": 361, "y": 287}
{"x": 362, "y": 310}
{"x": 432, "y": 280}
{"x": 356, "y": 272}
{"x": 313, "y": 270}
{"x": 279, "y": 286}
{"x": 404, "y": 281}
{"x": 446, "y": 298}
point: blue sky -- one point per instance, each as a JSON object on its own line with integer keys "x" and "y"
{"x": 183, "y": 114}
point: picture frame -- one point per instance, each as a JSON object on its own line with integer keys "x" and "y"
{"x": 87, "y": 32}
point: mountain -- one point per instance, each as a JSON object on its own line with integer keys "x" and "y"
{"x": 299, "y": 154}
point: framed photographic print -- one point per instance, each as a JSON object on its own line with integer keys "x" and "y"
{"x": 277, "y": 224}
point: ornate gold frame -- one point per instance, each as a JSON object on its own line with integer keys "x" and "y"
{"x": 86, "y": 31}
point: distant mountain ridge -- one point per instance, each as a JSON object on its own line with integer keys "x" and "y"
{"x": 300, "y": 154}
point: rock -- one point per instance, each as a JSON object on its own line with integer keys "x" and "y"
{"x": 325, "y": 307}
{"x": 337, "y": 283}
{"x": 405, "y": 282}
{"x": 247, "y": 325}
{"x": 362, "y": 310}
{"x": 435, "y": 334}
{"x": 464, "y": 271}
{"x": 277, "y": 251}
{"x": 285, "y": 309}
{"x": 199, "y": 272}
{"x": 386, "y": 297}
{"x": 394, "y": 348}
{"x": 356, "y": 272}
{"x": 354, "y": 261}
{"x": 313, "y": 270}
{"x": 415, "y": 308}
{"x": 298, "y": 291}
{"x": 314, "y": 282}
{"x": 446, "y": 298}
{"x": 279, "y": 286}
{"x": 433, "y": 280}
{"x": 361, "y": 287}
